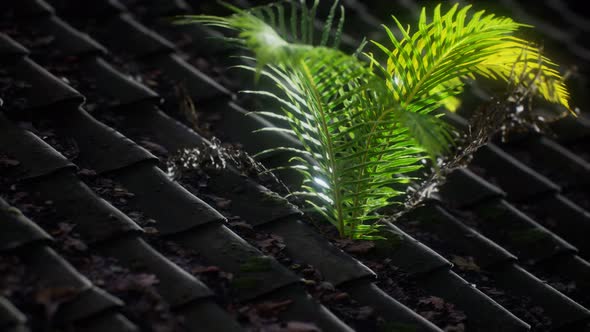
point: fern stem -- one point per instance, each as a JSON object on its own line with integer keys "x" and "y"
{"x": 333, "y": 174}
{"x": 364, "y": 158}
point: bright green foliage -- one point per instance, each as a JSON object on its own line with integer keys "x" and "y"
{"x": 366, "y": 126}
{"x": 452, "y": 46}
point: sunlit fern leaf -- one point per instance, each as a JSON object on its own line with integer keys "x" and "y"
{"x": 365, "y": 127}
{"x": 359, "y": 140}
{"x": 456, "y": 45}
{"x": 275, "y": 33}
{"x": 335, "y": 106}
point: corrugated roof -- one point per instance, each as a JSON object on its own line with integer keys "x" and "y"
{"x": 96, "y": 236}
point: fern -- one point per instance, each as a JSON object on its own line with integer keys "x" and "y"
{"x": 365, "y": 127}
{"x": 425, "y": 67}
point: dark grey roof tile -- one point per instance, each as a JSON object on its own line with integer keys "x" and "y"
{"x": 197, "y": 39}
{"x": 571, "y": 129}
{"x": 112, "y": 322}
{"x": 254, "y": 274}
{"x": 208, "y": 316}
{"x": 307, "y": 257}
{"x": 463, "y": 239}
{"x": 133, "y": 38}
{"x": 55, "y": 278}
{"x": 553, "y": 160}
{"x": 306, "y": 245}
{"x": 38, "y": 89}
{"x": 80, "y": 299}
{"x": 565, "y": 218}
{"x": 173, "y": 70}
{"x": 95, "y": 219}
{"x": 275, "y": 215}
{"x": 303, "y": 305}
{"x": 463, "y": 188}
{"x": 90, "y": 213}
{"x": 210, "y": 42}
{"x": 516, "y": 179}
{"x": 408, "y": 254}
{"x": 119, "y": 88}
{"x": 570, "y": 13}
{"x": 150, "y": 121}
{"x": 90, "y": 303}
{"x": 241, "y": 126}
{"x": 96, "y": 9}
{"x": 174, "y": 208}
{"x": 67, "y": 39}
{"x": 175, "y": 285}
{"x": 32, "y": 8}
{"x": 399, "y": 317}
{"x": 563, "y": 311}
{"x": 17, "y": 230}
{"x": 576, "y": 269}
{"x": 10, "y": 50}
{"x": 514, "y": 230}
{"x": 34, "y": 157}
{"x": 10, "y": 316}
{"x": 55, "y": 272}
{"x": 483, "y": 312}
{"x": 228, "y": 181}
{"x": 489, "y": 257}
{"x": 163, "y": 9}
{"x": 255, "y": 203}
{"x": 99, "y": 147}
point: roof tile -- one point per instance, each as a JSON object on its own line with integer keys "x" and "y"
{"x": 40, "y": 89}
{"x": 184, "y": 219}
{"x": 17, "y": 230}
{"x": 95, "y": 141}
{"x": 34, "y": 157}
{"x": 68, "y": 39}
{"x": 10, "y": 316}
{"x": 9, "y": 49}
{"x": 120, "y": 89}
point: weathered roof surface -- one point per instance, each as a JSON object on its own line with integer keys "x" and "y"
{"x": 89, "y": 118}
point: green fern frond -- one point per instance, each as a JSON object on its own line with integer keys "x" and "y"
{"x": 453, "y": 46}
{"x": 365, "y": 127}
{"x": 361, "y": 147}
{"x": 271, "y": 33}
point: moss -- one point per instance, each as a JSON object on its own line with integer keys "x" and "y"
{"x": 391, "y": 242}
{"x": 528, "y": 236}
{"x": 272, "y": 197}
{"x": 395, "y": 327}
{"x": 12, "y": 211}
{"x": 244, "y": 283}
{"x": 256, "y": 264}
{"x": 490, "y": 212}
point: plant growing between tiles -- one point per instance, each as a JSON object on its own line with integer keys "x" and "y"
{"x": 366, "y": 125}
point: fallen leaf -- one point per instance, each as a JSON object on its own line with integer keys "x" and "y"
{"x": 74, "y": 243}
{"x": 360, "y": 247}
{"x": 465, "y": 263}
{"x": 364, "y": 313}
{"x": 9, "y": 162}
{"x": 52, "y": 298}
{"x": 300, "y": 327}
{"x": 271, "y": 308}
{"x": 434, "y": 301}
{"x": 87, "y": 172}
{"x": 241, "y": 225}
{"x": 146, "y": 280}
{"x": 153, "y": 147}
{"x": 455, "y": 328}
{"x": 205, "y": 269}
